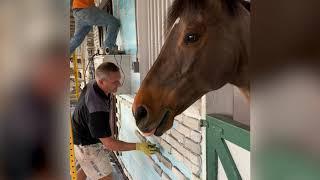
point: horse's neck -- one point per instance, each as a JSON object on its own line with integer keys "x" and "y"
{"x": 245, "y": 92}
{"x": 241, "y": 76}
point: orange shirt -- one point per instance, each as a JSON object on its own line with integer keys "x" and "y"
{"x": 82, "y": 3}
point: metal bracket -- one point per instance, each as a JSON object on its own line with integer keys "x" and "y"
{"x": 204, "y": 123}
{"x": 135, "y": 66}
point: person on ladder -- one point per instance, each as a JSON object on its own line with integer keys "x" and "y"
{"x": 92, "y": 132}
{"x": 86, "y": 15}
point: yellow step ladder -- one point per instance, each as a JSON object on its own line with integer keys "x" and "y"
{"x": 73, "y": 170}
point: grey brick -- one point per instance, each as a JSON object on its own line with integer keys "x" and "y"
{"x": 194, "y": 147}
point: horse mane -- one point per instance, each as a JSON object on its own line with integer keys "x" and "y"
{"x": 181, "y": 6}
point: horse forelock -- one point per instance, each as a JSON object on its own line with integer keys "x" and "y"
{"x": 180, "y": 7}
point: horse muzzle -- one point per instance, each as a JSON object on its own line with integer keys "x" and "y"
{"x": 149, "y": 124}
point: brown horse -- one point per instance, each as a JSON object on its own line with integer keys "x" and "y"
{"x": 207, "y": 46}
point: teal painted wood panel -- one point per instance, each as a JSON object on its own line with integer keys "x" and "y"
{"x": 125, "y": 10}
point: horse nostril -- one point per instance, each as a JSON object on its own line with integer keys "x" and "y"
{"x": 140, "y": 113}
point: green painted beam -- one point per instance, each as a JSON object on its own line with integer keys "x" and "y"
{"x": 212, "y": 158}
{"x": 233, "y": 131}
{"x": 225, "y": 156}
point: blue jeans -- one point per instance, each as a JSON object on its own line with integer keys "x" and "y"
{"x": 86, "y": 18}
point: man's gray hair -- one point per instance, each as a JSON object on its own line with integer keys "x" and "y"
{"x": 104, "y": 69}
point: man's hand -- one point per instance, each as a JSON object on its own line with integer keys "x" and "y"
{"x": 147, "y": 148}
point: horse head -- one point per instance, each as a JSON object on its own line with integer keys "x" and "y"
{"x": 206, "y": 46}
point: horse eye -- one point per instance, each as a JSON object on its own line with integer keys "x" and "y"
{"x": 191, "y": 38}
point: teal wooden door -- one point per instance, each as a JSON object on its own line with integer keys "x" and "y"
{"x": 219, "y": 129}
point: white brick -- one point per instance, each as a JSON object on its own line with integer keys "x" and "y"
{"x": 194, "y": 147}
{"x": 164, "y": 136}
{"x": 177, "y": 155}
{"x": 157, "y": 168}
{"x": 157, "y": 139}
{"x": 178, "y": 174}
{"x": 195, "y": 159}
{"x": 165, "y": 177}
{"x": 179, "y": 147}
{"x": 172, "y": 141}
{"x": 192, "y": 167}
{"x": 194, "y": 110}
{"x": 183, "y": 129}
{"x": 182, "y": 149}
{"x": 196, "y": 136}
{"x": 166, "y": 146}
{"x": 194, "y": 177}
{"x": 167, "y": 138}
{"x": 177, "y": 136}
{"x": 169, "y": 131}
{"x": 191, "y": 122}
{"x": 140, "y": 136}
{"x": 179, "y": 118}
{"x": 165, "y": 161}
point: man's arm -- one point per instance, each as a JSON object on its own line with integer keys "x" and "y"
{"x": 117, "y": 145}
